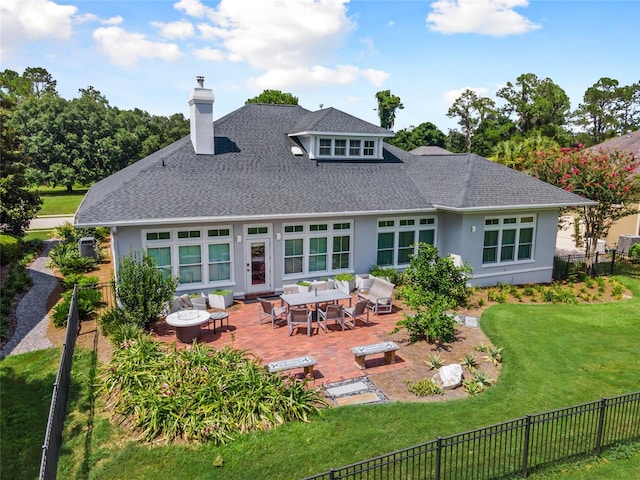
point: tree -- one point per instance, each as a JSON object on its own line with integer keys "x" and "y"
{"x": 605, "y": 177}
{"x": 425, "y": 134}
{"x": 433, "y": 286}
{"x": 521, "y": 154}
{"x": 471, "y": 110}
{"x": 18, "y": 205}
{"x": 387, "y": 106}
{"x": 275, "y": 97}
{"x": 608, "y": 110}
{"x": 142, "y": 288}
{"x": 42, "y": 83}
{"x": 539, "y": 105}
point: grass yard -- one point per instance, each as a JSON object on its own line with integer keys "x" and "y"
{"x": 57, "y": 201}
{"x": 555, "y": 355}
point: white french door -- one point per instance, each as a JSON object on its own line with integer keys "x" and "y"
{"x": 258, "y": 265}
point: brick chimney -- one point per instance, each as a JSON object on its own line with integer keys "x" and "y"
{"x": 201, "y": 116}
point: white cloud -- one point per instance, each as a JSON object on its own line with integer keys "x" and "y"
{"x": 314, "y": 77}
{"x": 125, "y": 49}
{"x": 209, "y": 53}
{"x": 450, "y": 96}
{"x": 285, "y": 39}
{"x": 369, "y": 47}
{"x": 27, "y": 20}
{"x": 117, "y": 20}
{"x": 175, "y": 30}
{"x": 490, "y": 17}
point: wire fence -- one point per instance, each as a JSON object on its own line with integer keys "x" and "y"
{"x": 509, "y": 449}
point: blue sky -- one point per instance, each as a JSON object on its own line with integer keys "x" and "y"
{"x": 338, "y": 53}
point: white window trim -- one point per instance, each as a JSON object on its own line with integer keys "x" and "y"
{"x": 518, "y": 226}
{"x": 306, "y": 235}
{"x": 203, "y": 241}
{"x": 396, "y": 228}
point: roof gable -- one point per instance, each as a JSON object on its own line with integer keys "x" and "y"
{"x": 330, "y": 120}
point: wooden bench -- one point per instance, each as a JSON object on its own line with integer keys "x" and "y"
{"x": 388, "y": 348}
{"x": 301, "y": 362}
{"x": 379, "y": 297}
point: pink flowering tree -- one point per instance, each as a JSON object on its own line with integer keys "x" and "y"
{"x": 610, "y": 178}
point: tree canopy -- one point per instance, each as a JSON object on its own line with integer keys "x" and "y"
{"x": 275, "y": 97}
{"x": 425, "y": 134}
{"x": 387, "y": 106}
{"x": 605, "y": 177}
{"x": 82, "y": 140}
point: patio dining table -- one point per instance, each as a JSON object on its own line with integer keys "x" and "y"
{"x": 314, "y": 297}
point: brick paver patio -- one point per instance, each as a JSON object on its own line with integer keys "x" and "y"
{"x": 331, "y": 350}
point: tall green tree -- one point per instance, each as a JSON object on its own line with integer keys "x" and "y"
{"x": 275, "y": 97}
{"x": 538, "y": 105}
{"x": 425, "y": 134}
{"x": 605, "y": 177}
{"x": 608, "y": 109}
{"x": 18, "y": 204}
{"x": 470, "y": 110}
{"x": 387, "y": 106}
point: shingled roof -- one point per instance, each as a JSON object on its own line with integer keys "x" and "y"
{"x": 254, "y": 175}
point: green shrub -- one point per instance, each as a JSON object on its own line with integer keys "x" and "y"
{"x": 143, "y": 289}
{"x": 78, "y": 279}
{"x": 201, "y": 394}
{"x": 432, "y": 322}
{"x": 469, "y": 361}
{"x": 9, "y": 248}
{"x": 425, "y": 387}
{"x": 391, "y": 273}
{"x": 634, "y": 252}
{"x": 528, "y": 291}
{"x": 341, "y": 277}
{"x": 89, "y": 300}
{"x": 66, "y": 258}
{"x": 494, "y": 354}
{"x": 435, "y": 362}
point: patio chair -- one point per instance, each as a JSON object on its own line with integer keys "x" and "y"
{"x": 358, "y": 311}
{"x": 331, "y": 312}
{"x": 297, "y": 317}
{"x": 269, "y": 311}
{"x": 289, "y": 289}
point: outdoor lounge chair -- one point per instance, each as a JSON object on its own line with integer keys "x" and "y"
{"x": 297, "y": 317}
{"x": 269, "y": 311}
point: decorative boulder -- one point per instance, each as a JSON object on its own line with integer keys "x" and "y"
{"x": 449, "y": 376}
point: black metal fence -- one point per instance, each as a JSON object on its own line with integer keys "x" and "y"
{"x": 508, "y": 449}
{"x": 59, "y": 397}
{"x": 58, "y": 408}
{"x": 576, "y": 267}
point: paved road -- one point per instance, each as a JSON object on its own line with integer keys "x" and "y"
{"x": 49, "y": 222}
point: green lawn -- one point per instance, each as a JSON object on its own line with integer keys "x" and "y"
{"x": 554, "y": 356}
{"x": 56, "y": 201}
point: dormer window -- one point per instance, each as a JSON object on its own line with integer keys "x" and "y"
{"x": 346, "y": 147}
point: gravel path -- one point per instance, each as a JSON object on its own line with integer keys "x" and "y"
{"x": 31, "y": 315}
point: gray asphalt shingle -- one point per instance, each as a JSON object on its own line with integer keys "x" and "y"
{"x": 254, "y": 173}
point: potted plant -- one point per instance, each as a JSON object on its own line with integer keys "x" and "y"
{"x": 303, "y": 286}
{"x": 345, "y": 282}
{"x": 364, "y": 281}
{"x": 198, "y": 300}
{"x": 221, "y": 298}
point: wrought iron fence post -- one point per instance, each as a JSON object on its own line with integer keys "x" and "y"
{"x": 438, "y": 457}
{"x": 525, "y": 450}
{"x": 613, "y": 261}
{"x": 603, "y": 409}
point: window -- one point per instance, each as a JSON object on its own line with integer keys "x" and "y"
{"x": 508, "y": 239}
{"x": 317, "y": 247}
{"x": 162, "y": 256}
{"x": 219, "y": 254}
{"x": 190, "y": 264}
{"x": 293, "y": 256}
{"x": 257, "y": 230}
{"x": 398, "y": 239}
{"x": 346, "y": 147}
{"x": 201, "y": 256}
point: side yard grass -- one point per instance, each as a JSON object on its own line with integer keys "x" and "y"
{"x": 555, "y": 355}
{"x": 57, "y": 201}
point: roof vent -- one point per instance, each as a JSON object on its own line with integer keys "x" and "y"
{"x": 297, "y": 151}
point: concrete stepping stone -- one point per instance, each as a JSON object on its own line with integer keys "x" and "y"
{"x": 347, "y": 389}
{"x": 369, "y": 397}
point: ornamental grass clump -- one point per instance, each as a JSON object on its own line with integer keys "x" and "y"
{"x": 201, "y": 394}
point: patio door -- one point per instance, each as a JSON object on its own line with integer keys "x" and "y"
{"x": 258, "y": 265}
